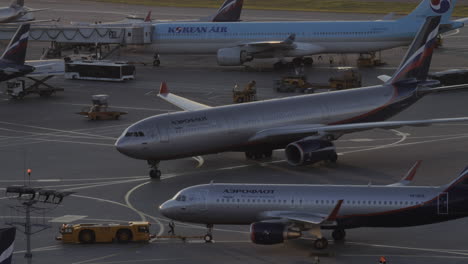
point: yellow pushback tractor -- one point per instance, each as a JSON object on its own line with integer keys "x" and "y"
{"x": 105, "y": 233}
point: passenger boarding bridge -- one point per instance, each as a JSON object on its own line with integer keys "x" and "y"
{"x": 137, "y": 35}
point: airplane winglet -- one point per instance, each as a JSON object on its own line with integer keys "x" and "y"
{"x": 163, "y": 88}
{"x": 334, "y": 213}
{"x": 410, "y": 174}
{"x": 148, "y": 17}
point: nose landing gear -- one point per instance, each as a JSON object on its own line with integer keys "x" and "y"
{"x": 209, "y": 234}
{"x": 154, "y": 172}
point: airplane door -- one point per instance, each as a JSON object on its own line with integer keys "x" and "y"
{"x": 164, "y": 135}
{"x": 199, "y": 200}
{"x": 442, "y": 203}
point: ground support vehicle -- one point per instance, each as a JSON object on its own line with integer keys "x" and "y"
{"x": 100, "y": 109}
{"x": 345, "y": 78}
{"x": 369, "y": 60}
{"x": 17, "y": 89}
{"x": 292, "y": 83}
{"x": 105, "y": 233}
{"x": 248, "y": 94}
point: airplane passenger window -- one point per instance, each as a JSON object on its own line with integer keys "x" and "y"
{"x": 141, "y": 134}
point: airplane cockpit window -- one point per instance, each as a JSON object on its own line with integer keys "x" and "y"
{"x": 134, "y": 134}
{"x": 181, "y": 198}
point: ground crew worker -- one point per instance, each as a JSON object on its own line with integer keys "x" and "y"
{"x": 171, "y": 228}
{"x": 382, "y": 260}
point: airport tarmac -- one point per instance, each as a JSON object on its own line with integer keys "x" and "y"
{"x": 68, "y": 152}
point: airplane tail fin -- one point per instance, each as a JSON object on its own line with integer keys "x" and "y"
{"x": 7, "y": 239}
{"x": 427, "y": 8}
{"x": 17, "y": 3}
{"x": 16, "y": 50}
{"x": 148, "y": 17}
{"x": 417, "y": 60}
{"x": 462, "y": 179}
{"x": 230, "y": 11}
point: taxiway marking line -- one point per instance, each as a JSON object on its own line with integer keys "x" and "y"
{"x": 143, "y": 215}
{"x": 53, "y": 129}
{"x": 124, "y": 107}
{"x": 102, "y": 184}
{"x": 404, "y": 136}
{"x": 94, "y": 259}
{"x": 403, "y": 256}
{"x": 448, "y": 251}
{"x": 139, "y": 260}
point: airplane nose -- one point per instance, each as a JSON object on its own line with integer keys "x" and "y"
{"x": 123, "y": 147}
{"x": 165, "y": 209}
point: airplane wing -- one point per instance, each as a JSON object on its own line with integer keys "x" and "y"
{"x": 303, "y": 216}
{"x": 409, "y": 176}
{"x": 30, "y": 10}
{"x": 318, "y": 129}
{"x": 183, "y": 103}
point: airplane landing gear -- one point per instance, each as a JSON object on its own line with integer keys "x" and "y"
{"x": 321, "y": 243}
{"x": 258, "y": 155}
{"x": 154, "y": 172}
{"x": 339, "y": 234}
{"x": 209, "y": 235}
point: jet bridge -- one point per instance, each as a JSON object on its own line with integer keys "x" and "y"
{"x": 137, "y": 35}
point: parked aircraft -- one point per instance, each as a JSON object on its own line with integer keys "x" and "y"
{"x": 277, "y": 212}
{"x": 305, "y": 126}
{"x": 237, "y": 43}
{"x": 12, "y": 61}
{"x": 17, "y": 12}
{"x": 230, "y": 11}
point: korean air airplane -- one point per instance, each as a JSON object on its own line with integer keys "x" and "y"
{"x": 237, "y": 43}
{"x": 278, "y": 212}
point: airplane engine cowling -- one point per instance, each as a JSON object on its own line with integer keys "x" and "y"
{"x": 232, "y": 56}
{"x": 271, "y": 233}
{"x": 305, "y": 152}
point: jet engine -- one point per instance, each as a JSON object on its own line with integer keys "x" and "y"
{"x": 271, "y": 233}
{"x": 233, "y": 56}
{"x": 305, "y": 152}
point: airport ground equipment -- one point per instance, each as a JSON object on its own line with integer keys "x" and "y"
{"x": 343, "y": 78}
{"x": 100, "y": 109}
{"x": 369, "y": 60}
{"x": 291, "y": 83}
{"x": 451, "y": 77}
{"x": 17, "y": 89}
{"x": 105, "y": 233}
{"x": 248, "y": 94}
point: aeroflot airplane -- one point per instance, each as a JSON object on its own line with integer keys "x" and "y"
{"x": 304, "y": 125}
{"x": 277, "y": 212}
{"x": 237, "y": 43}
